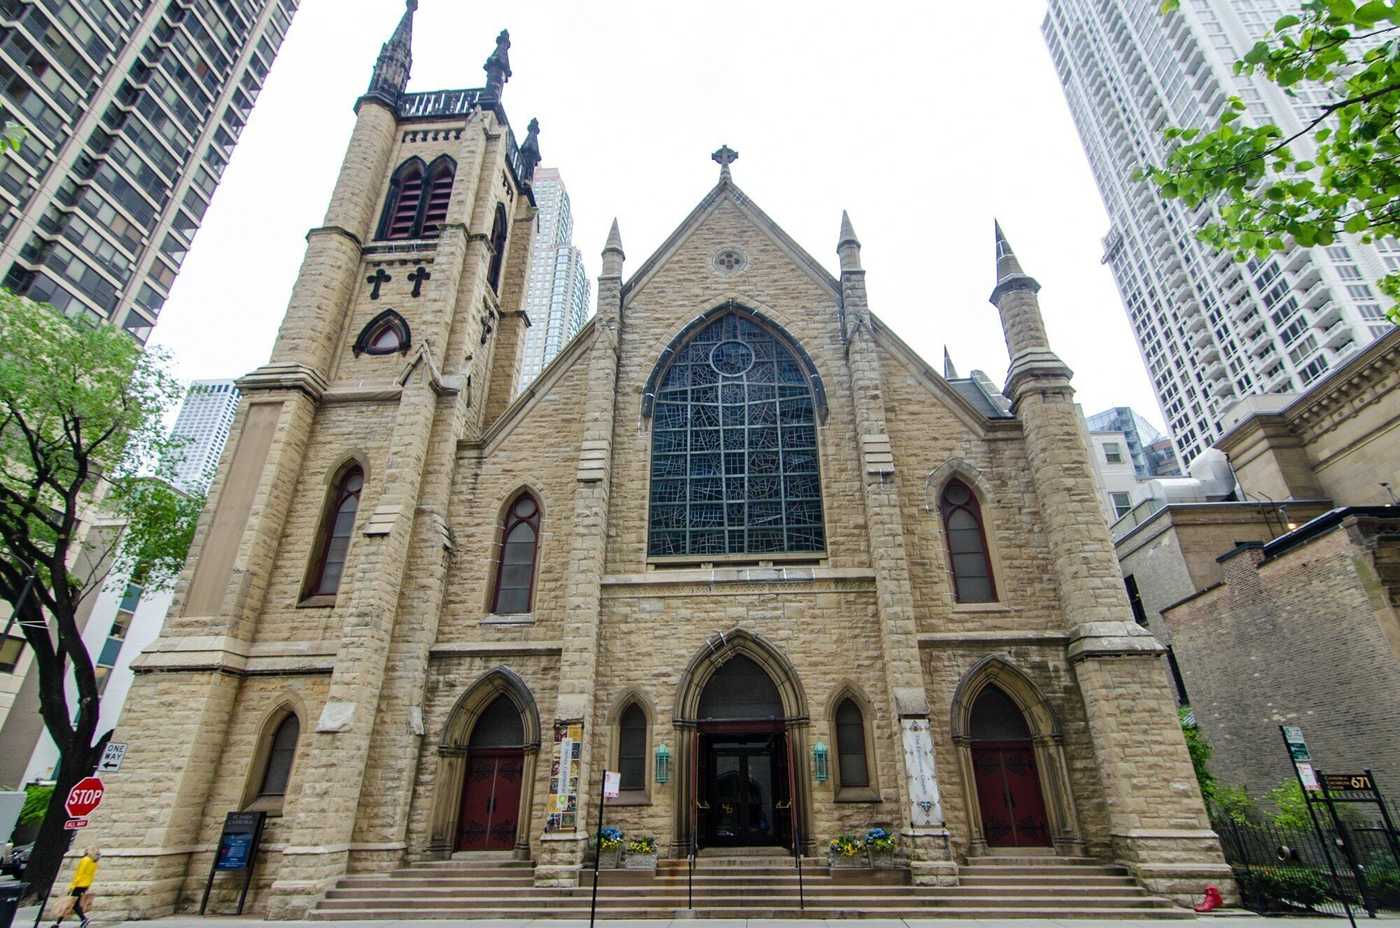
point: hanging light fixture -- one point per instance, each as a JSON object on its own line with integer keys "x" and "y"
{"x": 663, "y": 763}
{"x": 819, "y": 762}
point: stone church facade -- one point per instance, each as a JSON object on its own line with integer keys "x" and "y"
{"x": 737, "y": 542}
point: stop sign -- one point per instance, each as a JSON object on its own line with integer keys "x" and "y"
{"x": 84, "y": 797}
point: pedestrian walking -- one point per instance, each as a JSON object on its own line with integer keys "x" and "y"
{"x": 80, "y": 890}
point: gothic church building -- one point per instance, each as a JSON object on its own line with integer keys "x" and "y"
{"x": 737, "y": 542}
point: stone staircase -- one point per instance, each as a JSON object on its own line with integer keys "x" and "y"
{"x": 1002, "y": 884}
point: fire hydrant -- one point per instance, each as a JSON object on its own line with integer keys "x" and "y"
{"x": 1211, "y": 901}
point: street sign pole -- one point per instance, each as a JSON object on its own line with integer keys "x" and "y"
{"x": 1290, "y": 739}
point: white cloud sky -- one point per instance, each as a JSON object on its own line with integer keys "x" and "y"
{"x": 924, "y": 120}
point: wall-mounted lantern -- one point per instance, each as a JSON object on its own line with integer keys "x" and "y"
{"x": 663, "y": 763}
{"x": 819, "y": 762}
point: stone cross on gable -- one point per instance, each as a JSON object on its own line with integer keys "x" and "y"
{"x": 376, "y": 280}
{"x": 724, "y": 157}
{"x": 418, "y": 276}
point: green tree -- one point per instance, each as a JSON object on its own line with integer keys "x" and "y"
{"x": 1199, "y": 749}
{"x": 80, "y": 434}
{"x": 1339, "y": 173}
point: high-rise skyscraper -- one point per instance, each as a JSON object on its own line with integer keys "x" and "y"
{"x": 557, "y": 297}
{"x": 204, "y": 422}
{"x": 1145, "y": 450}
{"x": 1210, "y": 330}
{"x": 131, "y": 110}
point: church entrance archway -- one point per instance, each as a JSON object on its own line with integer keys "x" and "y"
{"x": 742, "y": 719}
{"x": 1014, "y": 777}
{"x": 1003, "y": 763}
{"x": 485, "y": 776}
{"x": 491, "y": 788}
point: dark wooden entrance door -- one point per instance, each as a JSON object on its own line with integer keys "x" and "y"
{"x": 490, "y": 799}
{"x": 1008, "y": 793}
{"x": 744, "y": 790}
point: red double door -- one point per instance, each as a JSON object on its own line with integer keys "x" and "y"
{"x": 1008, "y": 793}
{"x": 490, "y": 799}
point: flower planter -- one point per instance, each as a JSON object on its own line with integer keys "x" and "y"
{"x": 882, "y": 860}
{"x": 608, "y": 858}
{"x": 842, "y": 862}
{"x": 640, "y": 861}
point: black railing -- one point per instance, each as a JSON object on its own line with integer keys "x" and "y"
{"x": 439, "y": 103}
{"x": 690, "y": 877}
{"x": 1291, "y": 871}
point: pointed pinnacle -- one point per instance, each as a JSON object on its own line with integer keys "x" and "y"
{"x": 848, "y": 232}
{"x": 949, "y": 372}
{"x": 614, "y": 239}
{"x": 1006, "y": 258}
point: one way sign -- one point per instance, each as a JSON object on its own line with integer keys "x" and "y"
{"x": 112, "y": 757}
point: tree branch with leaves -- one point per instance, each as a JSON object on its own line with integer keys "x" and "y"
{"x": 1339, "y": 173}
{"x": 81, "y": 441}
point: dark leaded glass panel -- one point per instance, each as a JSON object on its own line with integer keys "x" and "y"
{"x": 734, "y": 448}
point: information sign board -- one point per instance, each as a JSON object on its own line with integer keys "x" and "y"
{"x": 612, "y": 784}
{"x": 112, "y": 756}
{"x": 1348, "y": 782}
{"x": 238, "y": 848}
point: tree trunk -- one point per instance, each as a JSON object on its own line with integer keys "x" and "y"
{"x": 54, "y": 840}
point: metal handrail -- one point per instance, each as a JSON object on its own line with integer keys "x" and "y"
{"x": 797, "y": 855}
{"x": 690, "y": 878}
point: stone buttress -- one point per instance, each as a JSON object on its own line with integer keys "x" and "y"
{"x": 1157, "y": 820}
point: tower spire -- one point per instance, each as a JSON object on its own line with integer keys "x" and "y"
{"x": 1006, "y": 258}
{"x": 949, "y": 371}
{"x": 530, "y": 152}
{"x": 395, "y": 61}
{"x": 847, "y": 245}
{"x": 612, "y": 253}
{"x": 497, "y": 68}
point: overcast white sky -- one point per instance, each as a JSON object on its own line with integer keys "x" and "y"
{"x": 924, "y": 120}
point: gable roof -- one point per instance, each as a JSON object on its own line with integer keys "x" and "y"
{"x": 726, "y": 189}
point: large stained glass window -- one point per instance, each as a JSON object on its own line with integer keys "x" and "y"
{"x": 734, "y": 448}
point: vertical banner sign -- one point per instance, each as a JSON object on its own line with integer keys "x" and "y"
{"x": 237, "y": 852}
{"x": 562, "y": 805}
{"x": 923, "y": 780}
{"x": 612, "y": 784}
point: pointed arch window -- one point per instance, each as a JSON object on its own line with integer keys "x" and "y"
{"x": 500, "y": 228}
{"x": 734, "y": 447}
{"x": 968, "y": 557}
{"x": 337, "y": 528}
{"x": 515, "y": 573}
{"x": 438, "y": 190}
{"x": 386, "y": 333}
{"x": 632, "y": 748}
{"x": 282, "y": 750}
{"x": 403, "y": 205}
{"x": 852, "y": 766}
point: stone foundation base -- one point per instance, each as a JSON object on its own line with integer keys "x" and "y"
{"x": 291, "y": 900}
{"x": 930, "y": 853}
{"x": 1178, "y": 865}
{"x": 561, "y": 859}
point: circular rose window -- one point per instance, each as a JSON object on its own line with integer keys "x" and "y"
{"x": 731, "y": 358}
{"x": 730, "y": 261}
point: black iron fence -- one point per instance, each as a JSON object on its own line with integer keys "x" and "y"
{"x": 1287, "y": 870}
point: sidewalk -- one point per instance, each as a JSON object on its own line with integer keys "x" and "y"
{"x": 25, "y": 918}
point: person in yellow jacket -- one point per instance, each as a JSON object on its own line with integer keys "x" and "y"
{"x": 78, "y": 889}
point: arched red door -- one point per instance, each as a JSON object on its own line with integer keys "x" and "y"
{"x": 1008, "y": 784}
{"x": 490, "y": 810}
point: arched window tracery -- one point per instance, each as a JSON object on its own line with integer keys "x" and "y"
{"x": 853, "y": 768}
{"x": 734, "y": 465}
{"x": 968, "y": 557}
{"x": 515, "y": 570}
{"x": 416, "y": 206}
{"x": 632, "y": 747}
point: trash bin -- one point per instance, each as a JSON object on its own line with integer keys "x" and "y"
{"x": 10, "y": 894}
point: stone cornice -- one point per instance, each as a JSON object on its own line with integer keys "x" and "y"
{"x": 284, "y": 376}
{"x": 1011, "y": 283}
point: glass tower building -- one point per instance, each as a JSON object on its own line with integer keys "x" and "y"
{"x": 557, "y": 300}
{"x": 1210, "y": 330}
{"x": 131, "y": 109}
{"x": 203, "y": 424}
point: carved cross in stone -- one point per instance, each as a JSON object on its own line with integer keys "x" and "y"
{"x": 724, "y": 157}
{"x": 418, "y": 277}
{"x": 378, "y": 279}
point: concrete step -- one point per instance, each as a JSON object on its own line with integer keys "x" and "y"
{"x": 746, "y": 912}
{"x": 1044, "y": 870}
{"x": 731, "y": 892}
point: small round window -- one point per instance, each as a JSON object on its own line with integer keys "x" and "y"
{"x": 731, "y": 358}
{"x": 730, "y": 261}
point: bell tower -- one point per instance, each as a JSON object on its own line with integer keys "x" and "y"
{"x": 389, "y": 353}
